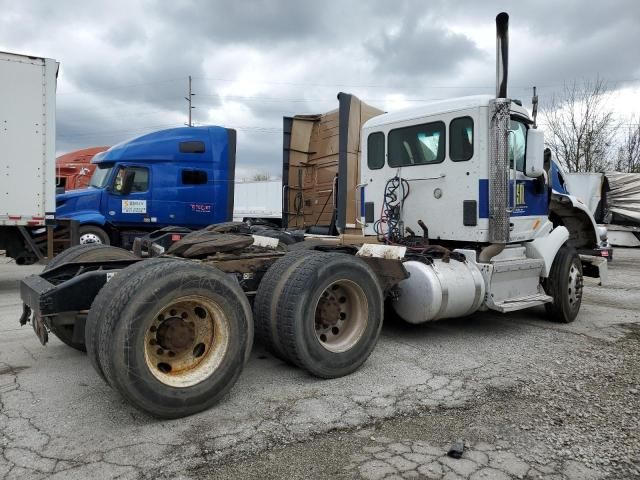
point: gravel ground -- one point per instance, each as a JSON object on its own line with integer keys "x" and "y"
{"x": 531, "y": 399}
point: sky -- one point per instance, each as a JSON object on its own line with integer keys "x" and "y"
{"x": 124, "y": 64}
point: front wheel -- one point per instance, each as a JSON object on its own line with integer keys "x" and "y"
{"x": 564, "y": 284}
{"x": 92, "y": 234}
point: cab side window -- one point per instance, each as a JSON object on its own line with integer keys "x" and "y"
{"x": 461, "y": 139}
{"x": 417, "y": 145}
{"x": 140, "y": 179}
{"x": 375, "y": 150}
{"x": 194, "y": 177}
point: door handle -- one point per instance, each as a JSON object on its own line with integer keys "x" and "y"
{"x": 357, "y": 199}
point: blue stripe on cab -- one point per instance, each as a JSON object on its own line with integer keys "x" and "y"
{"x": 483, "y": 200}
{"x": 534, "y": 203}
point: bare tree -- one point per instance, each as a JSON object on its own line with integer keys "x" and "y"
{"x": 629, "y": 152}
{"x": 261, "y": 177}
{"x": 581, "y": 126}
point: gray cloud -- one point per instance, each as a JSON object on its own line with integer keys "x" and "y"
{"x": 421, "y": 49}
{"x": 124, "y": 64}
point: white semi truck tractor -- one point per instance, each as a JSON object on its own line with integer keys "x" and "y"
{"x": 438, "y": 212}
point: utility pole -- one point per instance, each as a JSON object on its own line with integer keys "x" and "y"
{"x": 188, "y": 99}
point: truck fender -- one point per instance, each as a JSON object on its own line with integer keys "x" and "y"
{"x": 85, "y": 218}
{"x": 545, "y": 248}
{"x": 575, "y": 215}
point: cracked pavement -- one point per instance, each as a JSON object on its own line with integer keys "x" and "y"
{"x": 530, "y": 398}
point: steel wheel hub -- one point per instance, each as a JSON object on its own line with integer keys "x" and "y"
{"x": 89, "y": 238}
{"x": 176, "y": 335}
{"x": 575, "y": 285}
{"x": 341, "y": 316}
{"x": 186, "y": 341}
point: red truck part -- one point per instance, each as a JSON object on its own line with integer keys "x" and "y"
{"x": 74, "y": 169}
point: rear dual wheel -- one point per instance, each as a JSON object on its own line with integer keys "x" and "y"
{"x": 186, "y": 341}
{"x": 320, "y": 311}
{"x": 171, "y": 336}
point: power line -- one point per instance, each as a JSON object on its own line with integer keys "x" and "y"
{"x": 305, "y": 84}
{"x": 82, "y": 91}
{"x": 118, "y": 132}
{"x": 249, "y": 128}
{"x": 122, "y": 87}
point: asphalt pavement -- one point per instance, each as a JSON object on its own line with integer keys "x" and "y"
{"x": 530, "y": 399}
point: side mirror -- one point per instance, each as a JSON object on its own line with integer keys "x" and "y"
{"x": 127, "y": 182}
{"x": 535, "y": 153}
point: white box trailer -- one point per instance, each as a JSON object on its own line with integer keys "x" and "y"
{"x": 258, "y": 200}
{"x": 27, "y": 148}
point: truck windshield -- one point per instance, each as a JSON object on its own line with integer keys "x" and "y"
{"x": 100, "y": 176}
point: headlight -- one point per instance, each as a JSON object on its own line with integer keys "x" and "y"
{"x": 602, "y": 233}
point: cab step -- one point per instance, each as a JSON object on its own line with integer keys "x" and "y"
{"x": 513, "y": 304}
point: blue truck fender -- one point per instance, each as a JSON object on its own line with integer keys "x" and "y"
{"x": 85, "y": 218}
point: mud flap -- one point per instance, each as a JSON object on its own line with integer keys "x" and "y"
{"x": 595, "y": 267}
{"x": 41, "y": 330}
{"x": 26, "y": 314}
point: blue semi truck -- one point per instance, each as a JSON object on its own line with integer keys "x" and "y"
{"x": 180, "y": 176}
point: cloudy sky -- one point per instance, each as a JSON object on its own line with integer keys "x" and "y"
{"x": 124, "y": 64}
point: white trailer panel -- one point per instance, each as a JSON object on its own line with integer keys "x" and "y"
{"x": 259, "y": 199}
{"x": 27, "y": 139}
{"x": 586, "y": 187}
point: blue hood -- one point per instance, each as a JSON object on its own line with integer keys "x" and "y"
{"x": 74, "y": 201}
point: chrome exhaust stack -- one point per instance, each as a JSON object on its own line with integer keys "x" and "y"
{"x": 499, "y": 211}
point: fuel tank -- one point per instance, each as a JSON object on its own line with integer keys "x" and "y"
{"x": 439, "y": 290}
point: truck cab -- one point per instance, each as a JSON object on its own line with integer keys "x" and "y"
{"x": 181, "y": 176}
{"x": 441, "y": 154}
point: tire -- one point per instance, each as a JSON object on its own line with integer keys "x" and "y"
{"x": 146, "y": 317}
{"x": 92, "y": 234}
{"x": 342, "y": 291}
{"x": 95, "y": 319}
{"x": 564, "y": 284}
{"x": 267, "y": 296}
{"x": 83, "y": 253}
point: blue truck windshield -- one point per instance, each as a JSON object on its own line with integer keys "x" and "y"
{"x": 100, "y": 176}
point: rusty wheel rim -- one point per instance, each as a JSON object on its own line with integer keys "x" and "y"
{"x": 186, "y": 341}
{"x": 341, "y": 316}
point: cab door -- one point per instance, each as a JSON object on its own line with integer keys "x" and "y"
{"x": 133, "y": 206}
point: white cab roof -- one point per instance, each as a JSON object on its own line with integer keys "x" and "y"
{"x": 436, "y": 107}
